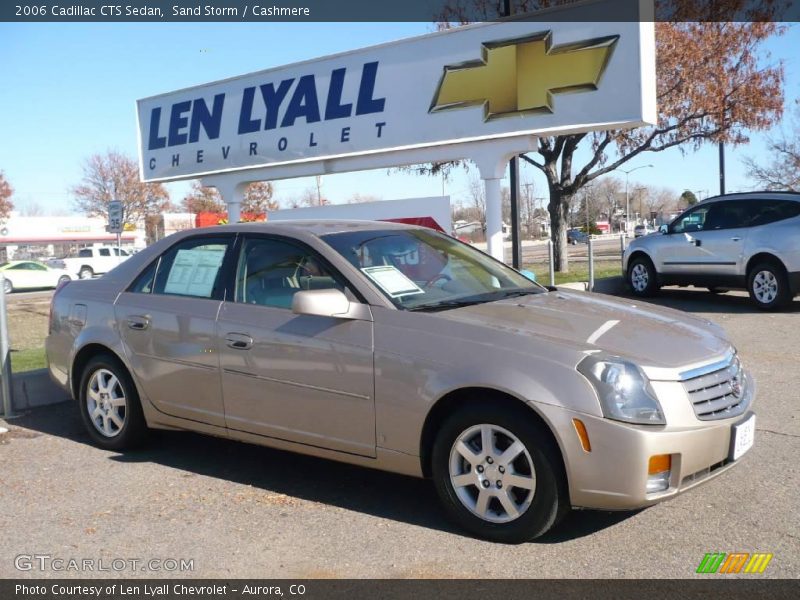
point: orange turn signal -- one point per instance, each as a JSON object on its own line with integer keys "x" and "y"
{"x": 580, "y": 429}
{"x": 659, "y": 464}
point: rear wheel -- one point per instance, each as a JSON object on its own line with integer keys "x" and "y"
{"x": 64, "y": 279}
{"x": 8, "y": 287}
{"x": 768, "y": 286}
{"x": 109, "y": 405}
{"x": 642, "y": 277}
{"x": 499, "y": 474}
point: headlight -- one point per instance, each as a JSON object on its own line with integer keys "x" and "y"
{"x": 624, "y": 391}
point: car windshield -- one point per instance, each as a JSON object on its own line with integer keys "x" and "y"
{"x": 420, "y": 269}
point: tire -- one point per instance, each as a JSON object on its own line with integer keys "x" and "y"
{"x": 86, "y": 273}
{"x": 110, "y": 382}
{"x": 642, "y": 277}
{"x": 539, "y": 464}
{"x": 8, "y": 287}
{"x": 63, "y": 279}
{"x": 574, "y": 242}
{"x": 768, "y": 286}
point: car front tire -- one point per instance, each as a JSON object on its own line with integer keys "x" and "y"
{"x": 642, "y": 277}
{"x": 86, "y": 273}
{"x": 499, "y": 474}
{"x": 109, "y": 405}
{"x": 768, "y": 286}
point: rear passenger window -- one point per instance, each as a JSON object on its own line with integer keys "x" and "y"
{"x": 763, "y": 212}
{"x": 192, "y": 268}
{"x": 105, "y": 252}
{"x": 270, "y": 272}
{"x": 144, "y": 282}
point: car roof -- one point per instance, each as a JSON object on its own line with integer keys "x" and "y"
{"x": 316, "y": 227}
{"x": 762, "y": 195}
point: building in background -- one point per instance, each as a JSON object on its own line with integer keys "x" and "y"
{"x": 40, "y": 238}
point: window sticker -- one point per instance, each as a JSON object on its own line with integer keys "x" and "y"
{"x": 392, "y": 281}
{"x": 194, "y": 271}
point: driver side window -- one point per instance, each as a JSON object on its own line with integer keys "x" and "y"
{"x": 691, "y": 221}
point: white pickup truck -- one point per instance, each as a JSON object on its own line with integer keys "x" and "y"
{"x": 95, "y": 260}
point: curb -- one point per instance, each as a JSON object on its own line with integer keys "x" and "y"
{"x": 35, "y": 388}
{"x": 608, "y": 285}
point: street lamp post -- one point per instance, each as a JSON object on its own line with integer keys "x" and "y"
{"x": 627, "y": 199}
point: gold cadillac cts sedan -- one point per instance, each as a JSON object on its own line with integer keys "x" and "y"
{"x": 403, "y": 349}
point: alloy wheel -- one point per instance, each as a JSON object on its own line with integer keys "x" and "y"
{"x": 492, "y": 473}
{"x": 106, "y": 403}
{"x": 765, "y": 286}
{"x": 639, "y": 277}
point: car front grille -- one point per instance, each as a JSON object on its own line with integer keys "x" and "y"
{"x": 717, "y": 391}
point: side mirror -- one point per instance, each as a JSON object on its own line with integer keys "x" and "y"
{"x": 321, "y": 303}
{"x": 529, "y": 274}
{"x": 663, "y": 229}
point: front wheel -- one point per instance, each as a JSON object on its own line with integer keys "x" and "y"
{"x": 109, "y": 405}
{"x": 86, "y": 273}
{"x": 642, "y": 277}
{"x": 768, "y": 286}
{"x": 499, "y": 474}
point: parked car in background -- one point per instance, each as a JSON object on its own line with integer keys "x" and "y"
{"x": 94, "y": 260}
{"x": 31, "y": 274}
{"x": 400, "y": 348}
{"x": 641, "y": 230}
{"x": 576, "y": 236}
{"x": 749, "y": 240}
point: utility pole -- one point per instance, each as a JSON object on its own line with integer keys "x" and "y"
{"x": 721, "y": 168}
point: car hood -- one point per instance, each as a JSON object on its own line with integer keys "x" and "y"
{"x": 647, "y": 334}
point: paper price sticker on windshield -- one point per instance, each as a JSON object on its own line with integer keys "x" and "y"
{"x": 194, "y": 271}
{"x": 392, "y": 281}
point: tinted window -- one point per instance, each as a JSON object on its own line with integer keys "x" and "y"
{"x": 271, "y": 272}
{"x": 85, "y": 253}
{"x": 727, "y": 215}
{"x": 192, "y": 268}
{"x": 21, "y": 267}
{"x": 763, "y": 212}
{"x": 105, "y": 252}
{"x": 37, "y": 267}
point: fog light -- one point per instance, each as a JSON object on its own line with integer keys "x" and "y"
{"x": 658, "y": 482}
{"x": 658, "y": 471}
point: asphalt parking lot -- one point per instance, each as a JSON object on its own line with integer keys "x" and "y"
{"x": 246, "y": 511}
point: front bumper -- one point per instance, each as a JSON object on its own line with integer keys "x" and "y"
{"x": 614, "y": 474}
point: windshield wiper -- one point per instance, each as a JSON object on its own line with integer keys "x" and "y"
{"x": 447, "y": 304}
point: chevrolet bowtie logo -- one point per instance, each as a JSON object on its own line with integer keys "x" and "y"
{"x": 520, "y": 76}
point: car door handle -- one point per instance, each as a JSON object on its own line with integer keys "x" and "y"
{"x": 239, "y": 341}
{"x": 138, "y": 323}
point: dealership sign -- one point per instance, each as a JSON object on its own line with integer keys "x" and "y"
{"x": 478, "y": 82}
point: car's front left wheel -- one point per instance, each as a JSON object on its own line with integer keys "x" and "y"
{"x": 109, "y": 405}
{"x": 642, "y": 277}
{"x": 499, "y": 474}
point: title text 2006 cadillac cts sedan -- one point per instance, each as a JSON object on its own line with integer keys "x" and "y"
{"x": 400, "y": 348}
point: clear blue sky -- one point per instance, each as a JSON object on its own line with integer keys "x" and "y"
{"x": 68, "y": 91}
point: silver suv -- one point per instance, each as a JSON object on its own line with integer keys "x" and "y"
{"x": 749, "y": 241}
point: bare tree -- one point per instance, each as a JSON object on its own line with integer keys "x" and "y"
{"x": 782, "y": 171}
{"x": 258, "y": 198}
{"x": 202, "y": 199}
{"x": 115, "y": 176}
{"x": 6, "y": 191}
